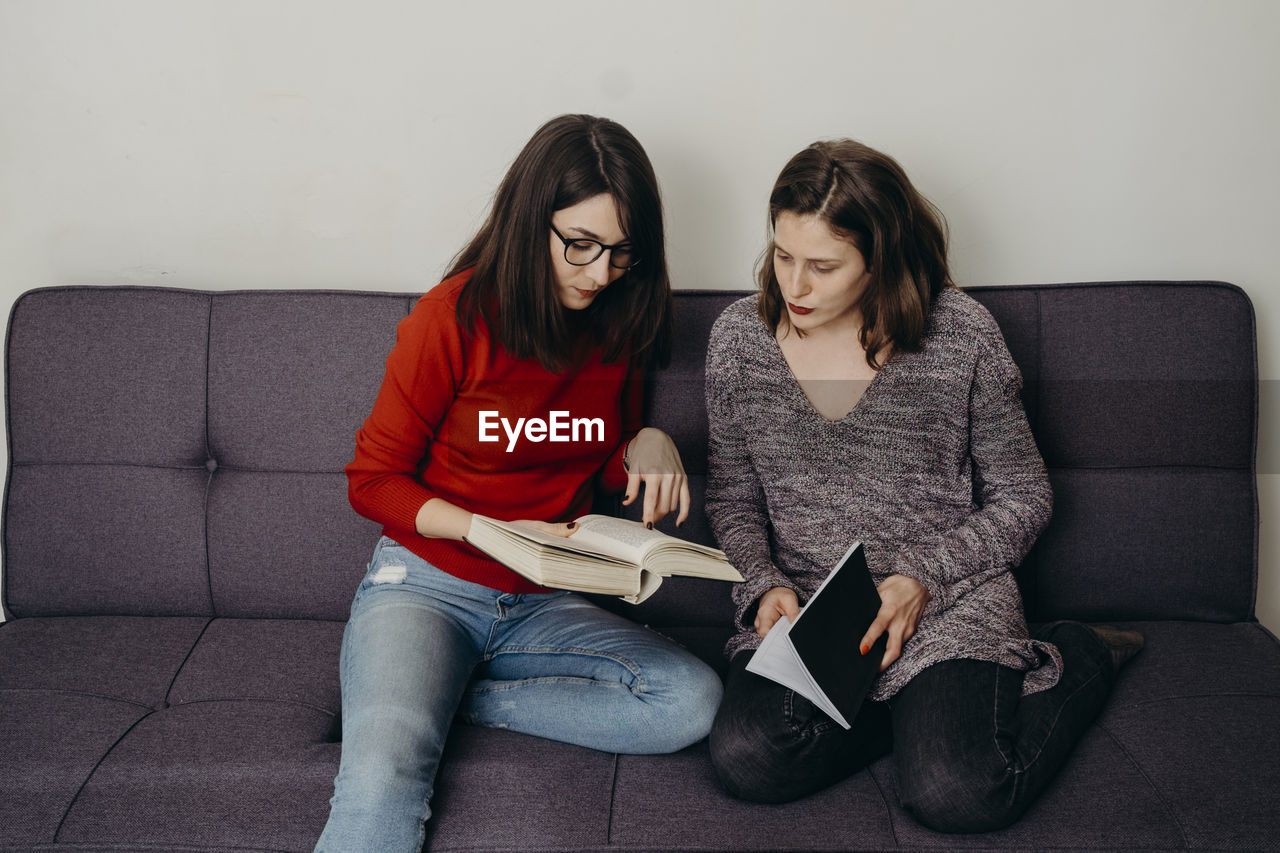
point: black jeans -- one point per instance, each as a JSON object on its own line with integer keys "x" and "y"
{"x": 971, "y": 752}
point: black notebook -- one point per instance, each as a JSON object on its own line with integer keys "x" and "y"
{"x": 818, "y": 655}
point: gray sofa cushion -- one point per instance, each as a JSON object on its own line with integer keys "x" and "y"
{"x": 52, "y": 742}
{"x": 131, "y": 659}
{"x": 232, "y": 773}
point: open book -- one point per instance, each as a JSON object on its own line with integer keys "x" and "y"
{"x": 818, "y": 656}
{"x": 606, "y": 555}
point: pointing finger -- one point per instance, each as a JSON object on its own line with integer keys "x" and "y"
{"x": 633, "y": 488}
{"x": 650, "y": 501}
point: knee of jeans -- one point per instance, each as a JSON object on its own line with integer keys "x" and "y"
{"x": 738, "y": 766}
{"x": 947, "y": 797}
{"x": 688, "y": 709}
{"x": 752, "y": 763}
{"x": 383, "y": 782}
{"x": 391, "y": 741}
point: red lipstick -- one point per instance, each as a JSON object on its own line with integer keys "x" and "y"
{"x": 796, "y": 309}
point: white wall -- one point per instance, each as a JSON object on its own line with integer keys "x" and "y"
{"x": 314, "y": 143}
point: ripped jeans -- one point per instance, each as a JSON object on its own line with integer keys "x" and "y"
{"x": 422, "y": 646}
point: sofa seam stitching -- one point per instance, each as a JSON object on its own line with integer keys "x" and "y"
{"x": 613, "y": 798}
{"x": 89, "y": 693}
{"x": 1150, "y": 784}
{"x": 260, "y": 699}
{"x": 93, "y": 772}
{"x": 888, "y": 810}
{"x": 178, "y": 672}
{"x": 1182, "y": 696}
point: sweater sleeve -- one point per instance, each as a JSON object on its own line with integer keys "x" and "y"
{"x": 421, "y": 380}
{"x": 1011, "y": 489}
{"x": 735, "y": 501}
{"x": 613, "y": 477}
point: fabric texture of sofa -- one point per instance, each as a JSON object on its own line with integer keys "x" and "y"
{"x": 179, "y": 557}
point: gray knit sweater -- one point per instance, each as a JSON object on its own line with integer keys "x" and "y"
{"x": 934, "y": 470}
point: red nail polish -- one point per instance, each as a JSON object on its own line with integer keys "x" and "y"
{"x": 865, "y": 648}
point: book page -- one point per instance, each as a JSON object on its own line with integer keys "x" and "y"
{"x": 534, "y": 534}
{"x": 649, "y": 583}
{"x": 628, "y": 539}
{"x": 551, "y": 560}
{"x": 516, "y": 534}
{"x": 604, "y": 555}
{"x": 631, "y": 540}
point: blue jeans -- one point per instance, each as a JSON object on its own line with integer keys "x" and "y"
{"x": 422, "y": 646}
{"x": 971, "y": 752}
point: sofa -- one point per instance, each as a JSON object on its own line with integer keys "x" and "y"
{"x": 179, "y": 559}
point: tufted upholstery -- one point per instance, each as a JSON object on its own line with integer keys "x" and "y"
{"x": 179, "y": 556}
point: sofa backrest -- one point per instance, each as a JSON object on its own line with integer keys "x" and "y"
{"x": 180, "y": 452}
{"x": 1142, "y": 397}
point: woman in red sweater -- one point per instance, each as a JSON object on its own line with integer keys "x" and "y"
{"x": 549, "y": 315}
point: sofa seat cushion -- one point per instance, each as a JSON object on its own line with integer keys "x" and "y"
{"x": 51, "y": 741}
{"x": 518, "y": 792}
{"x": 1197, "y": 713}
{"x": 675, "y": 803}
{"x": 1214, "y": 761}
{"x": 1100, "y": 801}
{"x": 249, "y": 775}
{"x": 1187, "y": 659}
{"x": 127, "y": 658}
{"x": 282, "y": 660}
{"x": 114, "y": 729}
{"x": 1200, "y": 693}
{"x": 186, "y": 732}
{"x": 1186, "y": 755}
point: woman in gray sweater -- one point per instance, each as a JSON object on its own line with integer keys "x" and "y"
{"x": 862, "y": 397}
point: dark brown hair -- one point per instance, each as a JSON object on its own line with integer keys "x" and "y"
{"x": 866, "y": 197}
{"x": 569, "y": 159}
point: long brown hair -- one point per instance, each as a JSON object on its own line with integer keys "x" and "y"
{"x": 866, "y": 197}
{"x": 569, "y": 159}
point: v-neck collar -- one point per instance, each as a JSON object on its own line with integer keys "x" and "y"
{"x": 796, "y": 389}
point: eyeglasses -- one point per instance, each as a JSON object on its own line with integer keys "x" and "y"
{"x": 580, "y": 251}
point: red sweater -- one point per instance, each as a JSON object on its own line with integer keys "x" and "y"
{"x": 443, "y": 393}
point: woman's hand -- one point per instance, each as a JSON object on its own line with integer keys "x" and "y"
{"x": 439, "y": 519}
{"x": 902, "y": 603}
{"x": 552, "y": 528}
{"x": 775, "y": 603}
{"x": 655, "y": 462}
